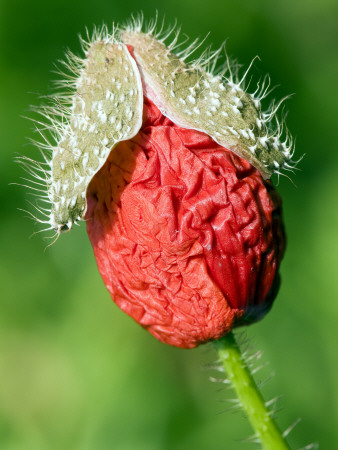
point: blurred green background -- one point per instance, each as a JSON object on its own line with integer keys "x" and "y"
{"x": 75, "y": 372}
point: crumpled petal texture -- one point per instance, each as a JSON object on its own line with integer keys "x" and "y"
{"x": 187, "y": 236}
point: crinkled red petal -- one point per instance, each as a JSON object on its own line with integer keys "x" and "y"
{"x": 187, "y": 235}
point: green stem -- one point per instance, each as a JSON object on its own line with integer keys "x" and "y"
{"x": 249, "y": 395}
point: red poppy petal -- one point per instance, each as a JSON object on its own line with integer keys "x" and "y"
{"x": 187, "y": 235}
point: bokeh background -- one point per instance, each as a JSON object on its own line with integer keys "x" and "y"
{"x": 75, "y": 372}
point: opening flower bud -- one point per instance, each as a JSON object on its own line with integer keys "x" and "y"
{"x": 169, "y": 164}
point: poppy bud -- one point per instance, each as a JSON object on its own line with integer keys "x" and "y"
{"x": 169, "y": 165}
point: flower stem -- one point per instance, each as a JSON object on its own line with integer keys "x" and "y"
{"x": 249, "y": 395}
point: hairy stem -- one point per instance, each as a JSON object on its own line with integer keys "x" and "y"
{"x": 249, "y": 395}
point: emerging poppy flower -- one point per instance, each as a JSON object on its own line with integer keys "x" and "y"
{"x": 186, "y": 234}
{"x": 168, "y": 164}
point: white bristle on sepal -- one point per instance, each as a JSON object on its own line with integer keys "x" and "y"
{"x": 76, "y": 121}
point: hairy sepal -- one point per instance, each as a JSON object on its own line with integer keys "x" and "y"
{"x": 106, "y": 109}
{"x": 195, "y": 98}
